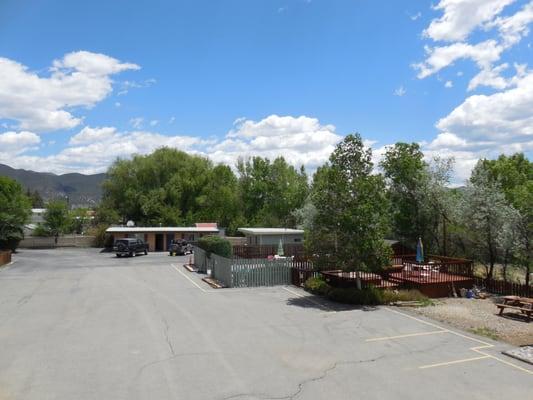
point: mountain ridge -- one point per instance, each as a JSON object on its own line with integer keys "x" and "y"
{"x": 81, "y": 189}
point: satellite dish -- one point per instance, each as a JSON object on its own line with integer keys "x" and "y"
{"x": 130, "y": 224}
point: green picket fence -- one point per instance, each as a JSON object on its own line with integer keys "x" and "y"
{"x": 261, "y": 272}
{"x": 245, "y": 272}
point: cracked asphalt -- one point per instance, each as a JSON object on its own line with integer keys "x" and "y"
{"x": 80, "y": 324}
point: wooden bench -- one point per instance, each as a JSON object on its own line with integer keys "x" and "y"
{"x": 525, "y": 306}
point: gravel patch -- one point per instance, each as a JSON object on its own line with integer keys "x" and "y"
{"x": 481, "y": 316}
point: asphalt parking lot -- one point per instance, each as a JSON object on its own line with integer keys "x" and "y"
{"x": 80, "y": 324}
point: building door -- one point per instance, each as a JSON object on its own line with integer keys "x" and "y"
{"x": 159, "y": 242}
{"x": 170, "y": 238}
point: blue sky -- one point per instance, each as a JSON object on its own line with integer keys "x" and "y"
{"x": 234, "y": 78}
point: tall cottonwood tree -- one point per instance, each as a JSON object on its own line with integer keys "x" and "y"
{"x": 351, "y": 208}
{"x": 271, "y": 191}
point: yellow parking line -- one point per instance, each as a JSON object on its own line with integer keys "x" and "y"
{"x": 443, "y": 364}
{"x": 475, "y": 349}
{"x": 405, "y": 336}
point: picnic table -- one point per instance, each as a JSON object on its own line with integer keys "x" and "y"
{"x": 522, "y": 304}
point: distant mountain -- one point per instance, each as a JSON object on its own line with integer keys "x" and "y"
{"x": 81, "y": 190}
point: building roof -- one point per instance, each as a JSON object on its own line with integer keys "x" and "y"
{"x": 206, "y": 225}
{"x": 270, "y": 231}
{"x": 159, "y": 229}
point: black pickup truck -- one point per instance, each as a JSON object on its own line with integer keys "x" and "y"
{"x": 130, "y": 247}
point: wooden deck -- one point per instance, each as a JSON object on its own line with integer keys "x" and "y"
{"x": 432, "y": 284}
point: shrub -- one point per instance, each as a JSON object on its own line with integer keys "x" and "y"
{"x": 390, "y": 296}
{"x": 368, "y": 296}
{"x": 317, "y": 285}
{"x": 101, "y": 237}
{"x": 41, "y": 230}
{"x": 216, "y": 245}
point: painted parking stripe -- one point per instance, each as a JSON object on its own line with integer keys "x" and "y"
{"x": 444, "y": 364}
{"x": 189, "y": 279}
{"x": 477, "y": 349}
{"x": 405, "y": 336}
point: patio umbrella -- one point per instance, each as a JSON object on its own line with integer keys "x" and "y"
{"x": 280, "y": 249}
{"x": 419, "y": 251}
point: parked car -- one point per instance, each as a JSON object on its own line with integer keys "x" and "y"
{"x": 179, "y": 247}
{"x": 130, "y": 247}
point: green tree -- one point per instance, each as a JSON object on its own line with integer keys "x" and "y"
{"x": 219, "y": 199}
{"x": 484, "y": 211}
{"x": 271, "y": 191}
{"x": 406, "y": 175}
{"x": 169, "y": 187}
{"x": 420, "y": 202}
{"x": 56, "y": 218}
{"x": 15, "y": 209}
{"x": 514, "y": 174}
{"x": 352, "y": 207}
{"x": 35, "y": 199}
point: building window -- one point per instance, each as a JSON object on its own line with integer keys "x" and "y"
{"x": 297, "y": 240}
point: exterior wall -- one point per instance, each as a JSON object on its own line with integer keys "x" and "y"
{"x": 151, "y": 241}
{"x": 274, "y": 239}
{"x": 36, "y": 242}
{"x": 149, "y": 237}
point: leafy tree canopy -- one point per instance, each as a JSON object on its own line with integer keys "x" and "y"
{"x": 352, "y": 207}
{"x": 15, "y": 208}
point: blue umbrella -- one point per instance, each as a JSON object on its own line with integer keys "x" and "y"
{"x": 419, "y": 251}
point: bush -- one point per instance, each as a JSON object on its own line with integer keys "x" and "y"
{"x": 367, "y": 297}
{"x": 41, "y": 230}
{"x": 371, "y": 296}
{"x": 317, "y": 285}
{"x": 216, "y": 245}
{"x": 390, "y": 296}
{"x": 101, "y": 238}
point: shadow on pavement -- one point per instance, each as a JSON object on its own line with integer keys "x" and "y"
{"x": 320, "y": 304}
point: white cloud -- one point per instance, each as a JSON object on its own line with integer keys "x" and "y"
{"x": 301, "y": 140}
{"x": 416, "y": 16}
{"x": 154, "y": 122}
{"x": 89, "y": 135}
{"x": 513, "y": 28}
{"x": 505, "y": 117}
{"x": 17, "y": 142}
{"x": 137, "y": 122}
{"x": 484, "y": 54}
{"x": 171, "y": 120}
{"x": 117, "y": 104}
{"x": 487, "y": 125}
{"x": 461, "y": 17}
{"x": 400, "y": 91}
{"x": 448, "y": 84}
{"x": 490, "y": 124}
{"x": 79, "y": 79}
{"x": 125, "y": 86}
{"x": 92, "y": 150}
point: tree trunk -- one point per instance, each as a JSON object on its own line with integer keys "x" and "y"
{"x": 504, "y": 265}
{"x": 491, "y": 249}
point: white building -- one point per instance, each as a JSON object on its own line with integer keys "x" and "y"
{"x": 272, "y": 236}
